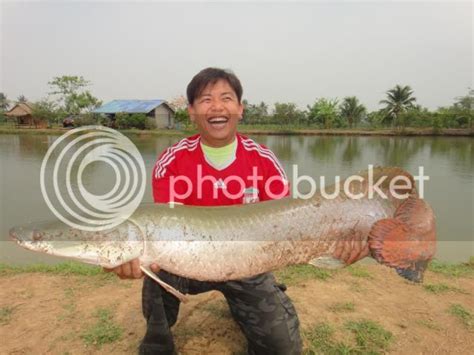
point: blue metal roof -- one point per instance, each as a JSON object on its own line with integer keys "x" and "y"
{"x": 129, "y": 106}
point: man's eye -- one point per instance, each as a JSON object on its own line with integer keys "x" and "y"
{"x": 227, "y": 98}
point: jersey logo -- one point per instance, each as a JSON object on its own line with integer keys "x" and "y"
{"x": 220, "y": 184}
{"x": 250, "y": 195}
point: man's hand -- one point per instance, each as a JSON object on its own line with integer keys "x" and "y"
{"x": 131, "y": 270}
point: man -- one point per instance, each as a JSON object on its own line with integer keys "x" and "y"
{"x": 219, "y": 167}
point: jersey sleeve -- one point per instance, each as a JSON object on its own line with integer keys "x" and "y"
{"x": 167, "y": 184}
{"x": 275, "y": 183}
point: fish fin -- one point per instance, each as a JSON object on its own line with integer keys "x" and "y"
{"x": 327, "y": 262}
{"x": 387, "y": 174}
{"x": 406, "y": 242}
{"x": 163, "y": 284}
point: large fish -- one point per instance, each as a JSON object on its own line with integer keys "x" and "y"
{"x": 228, "y": 243}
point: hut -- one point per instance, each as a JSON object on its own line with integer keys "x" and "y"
{"x": 157, "y": 110}
{"x": 22, "y": 114}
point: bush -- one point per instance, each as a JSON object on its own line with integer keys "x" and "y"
{"x": 47, "y": 111}
{"x": 86, "y": 119}
{"x": 134, "y": 120}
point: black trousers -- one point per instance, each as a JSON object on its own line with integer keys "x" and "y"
{"x": 263, "y": 311}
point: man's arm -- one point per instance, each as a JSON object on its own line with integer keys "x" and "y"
{"x": 131, "y": 270}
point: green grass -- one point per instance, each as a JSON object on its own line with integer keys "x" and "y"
{"x": 451, "y": 269}
{"x": 66, "y": 268}
{"x": 371, "y": 337}
{"x": 464, "y": 315}
{"x": 340, "y": 307}
{"x": 103, "y": 331}
{"x": 6, "y": 314}
{"x": 321, "y": 341}
{"x": 359, "y": 271}
{"x": 298, "y": 273}
{"x": 442, "y": 288}
{"x": 69, "y": 306}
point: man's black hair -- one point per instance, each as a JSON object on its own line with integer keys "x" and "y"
{"x": 210, "y": 76}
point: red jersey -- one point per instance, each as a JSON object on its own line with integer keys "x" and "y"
{"x": 182, "y": 174}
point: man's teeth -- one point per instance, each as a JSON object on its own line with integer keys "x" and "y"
{"x": 218, "y": 120}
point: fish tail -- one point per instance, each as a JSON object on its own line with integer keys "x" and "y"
{"x": 406, "y": 242}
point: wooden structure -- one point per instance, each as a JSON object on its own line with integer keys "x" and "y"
{"x": 22, "y": 113}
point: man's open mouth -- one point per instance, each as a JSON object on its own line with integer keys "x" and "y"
{"x": 221, "y": 120}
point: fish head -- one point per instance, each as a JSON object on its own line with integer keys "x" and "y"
{"x": 107, "y": 248}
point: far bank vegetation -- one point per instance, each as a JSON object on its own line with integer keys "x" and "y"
{"x": 399, "y": 109}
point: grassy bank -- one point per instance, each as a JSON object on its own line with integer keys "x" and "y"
{"x": 291, "y": 275}
{"x": 269, "y": 130}
{"x": 363, "y": 309}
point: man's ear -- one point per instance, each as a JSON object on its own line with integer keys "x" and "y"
{"x": 241, "y": 111}
{"x": 191, "y": 112}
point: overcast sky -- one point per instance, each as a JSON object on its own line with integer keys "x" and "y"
{"x": 282, "y": 52}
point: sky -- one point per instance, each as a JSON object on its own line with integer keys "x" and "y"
{"x": 282, "y": 52}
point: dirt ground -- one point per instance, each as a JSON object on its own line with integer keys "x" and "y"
{"x": 49, "y": 314}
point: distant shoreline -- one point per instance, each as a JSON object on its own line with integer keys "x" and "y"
{"x": 450, "y": 132}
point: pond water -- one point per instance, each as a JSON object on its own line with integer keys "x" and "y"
{"x": 448, "y": 161}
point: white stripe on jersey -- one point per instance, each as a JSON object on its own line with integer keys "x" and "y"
{"x": 170, "y": 155}
{"x": 250, "y": 144}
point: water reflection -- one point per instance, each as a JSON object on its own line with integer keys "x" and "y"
{"x": 284, "y": 148}
{"x": 458, "y": 151}
{"x": 324, "y": 148}
{"x": 397, "y": 151}
{"x": 352, "y": 150}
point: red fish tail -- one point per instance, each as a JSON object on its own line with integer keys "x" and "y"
{"x": 406, "y": 242}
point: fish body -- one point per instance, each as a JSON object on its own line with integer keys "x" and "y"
{"x": 235, "y": 242}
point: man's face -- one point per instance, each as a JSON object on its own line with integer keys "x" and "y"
{"x": 216, "y": 113}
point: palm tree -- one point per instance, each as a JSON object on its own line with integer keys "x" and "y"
{"x": 352, "y": 110}
{"x": 399, "y": 99}
{"x": 21, "y": 99}
{"x": 3, "y": 101}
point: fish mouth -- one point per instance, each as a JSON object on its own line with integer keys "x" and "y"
{"x": 17, "y": 234}
{"x": 25, "y": 234}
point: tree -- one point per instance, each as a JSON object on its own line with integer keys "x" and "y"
{"x": 399, "y": 99}
{"x": 3, "y": 101}
{"x": 464, "y": 106}
{"x": 287, "y": 113}
{"x": 178, "y": 103}
{"x": 72, "y": 97}
{"x": 255, "y": 114}
{"x": 351, "y": 110}
{"x": 84, "y": 102}
{"x": 180, "y": 106}
{"x": 45, "y": 110}
{"x": 374, "y": 119}
{"x": 21, "y": 99}
{"x": 465, "y": 102}
{"x": 323, "y": 112}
